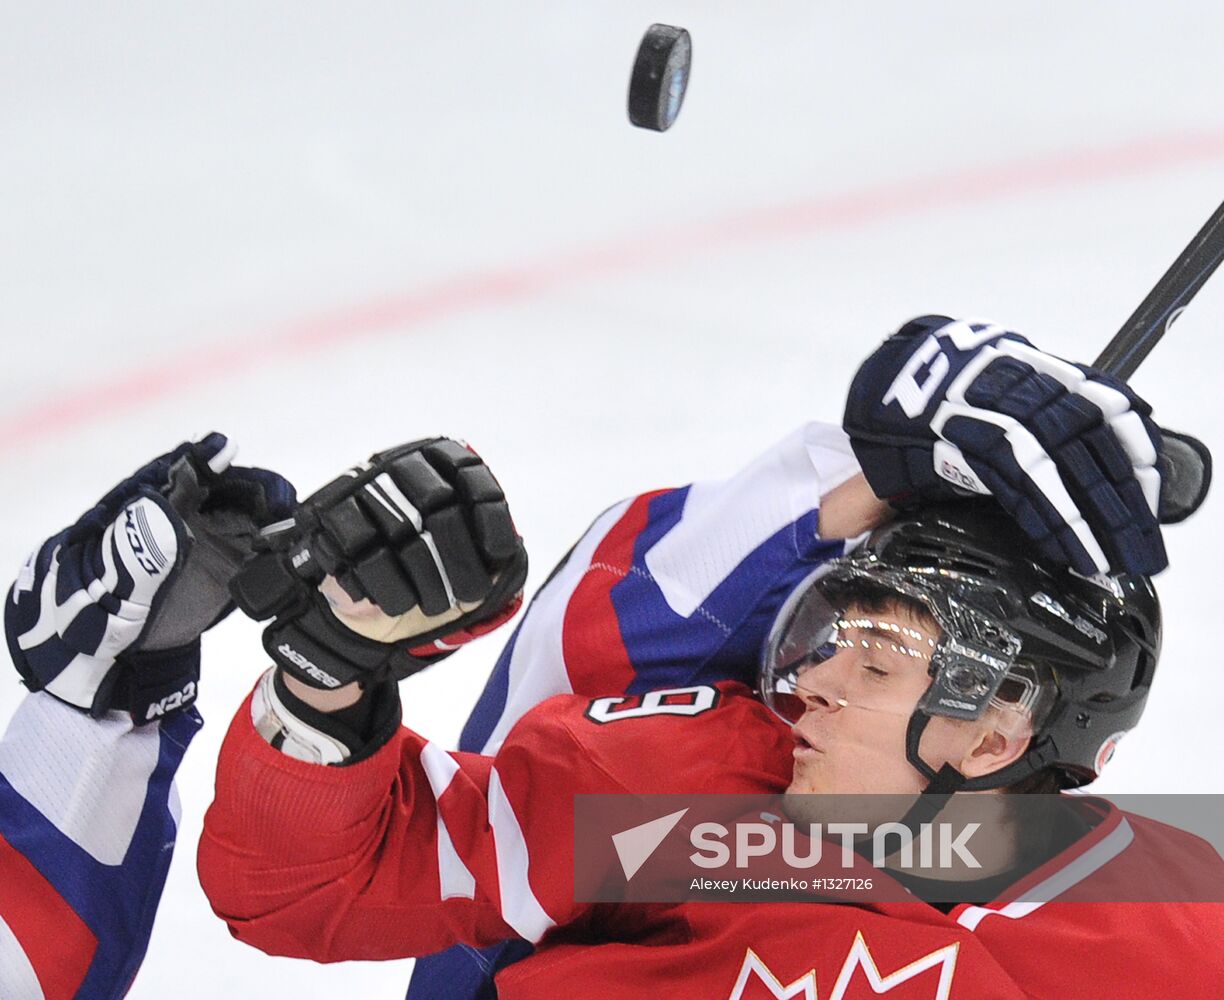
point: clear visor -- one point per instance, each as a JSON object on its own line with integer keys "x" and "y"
{"x": 872, "y": 644}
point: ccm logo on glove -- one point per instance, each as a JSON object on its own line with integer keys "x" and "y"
{"x": 906, "y": 390}
{"x": 172, "y": 702}
{"x": 944, "y": 408}
{"x": 140, "y": 538}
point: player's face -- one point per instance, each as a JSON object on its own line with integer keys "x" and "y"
{"x": 857, "y": 705}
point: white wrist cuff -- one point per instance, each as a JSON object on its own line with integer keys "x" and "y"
{"x": 285, "y": 732}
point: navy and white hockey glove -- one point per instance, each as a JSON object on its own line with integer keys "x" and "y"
{"x": 948, "y": 408}
{"x": 108, "y": 613}
{"x": 387, "y": 568}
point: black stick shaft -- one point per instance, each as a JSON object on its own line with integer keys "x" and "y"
{"x": 1165, "y": 302}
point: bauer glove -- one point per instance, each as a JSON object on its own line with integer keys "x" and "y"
{"x": 388, "y": 568}
{"x": 946, "y": 409}
{"x": 108, "y": 613}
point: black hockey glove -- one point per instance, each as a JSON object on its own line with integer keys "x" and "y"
{"x": 422, "y": 533}
{"x": 108, "y": 613}
{"x": 949, "y": 408}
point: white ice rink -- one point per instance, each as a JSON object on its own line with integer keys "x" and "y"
{"x": 327, "y": 228}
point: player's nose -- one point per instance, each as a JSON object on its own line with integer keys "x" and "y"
{"x": 823, "y": 688}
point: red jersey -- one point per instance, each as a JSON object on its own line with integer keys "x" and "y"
{"x": 416, "y": 849}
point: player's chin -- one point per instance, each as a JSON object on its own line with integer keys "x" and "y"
{"x": 806, "y": 799}
{"x": 806, "y": 779}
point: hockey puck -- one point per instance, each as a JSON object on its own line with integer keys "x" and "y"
{"x": 660, "y": 76}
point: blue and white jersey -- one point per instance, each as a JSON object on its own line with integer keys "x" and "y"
{"x": 88, "y": 817}
{"x": 668, "y": 589}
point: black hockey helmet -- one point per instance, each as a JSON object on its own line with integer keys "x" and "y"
{"x": 1077, "y": 654}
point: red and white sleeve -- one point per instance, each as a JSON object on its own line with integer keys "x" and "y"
{"x": 402, "y": 854}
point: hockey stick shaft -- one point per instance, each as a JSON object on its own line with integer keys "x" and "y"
{"x": 1166, "y": 301}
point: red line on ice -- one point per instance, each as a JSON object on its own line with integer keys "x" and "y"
{"x": 482, "y": 289}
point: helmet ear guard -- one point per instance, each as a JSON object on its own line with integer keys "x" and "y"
{"x": 1073, "y": 657}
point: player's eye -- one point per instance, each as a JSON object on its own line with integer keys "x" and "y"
{"x": 874, "y": 671}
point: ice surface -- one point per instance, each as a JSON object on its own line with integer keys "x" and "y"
{"x": 327, "y": 228}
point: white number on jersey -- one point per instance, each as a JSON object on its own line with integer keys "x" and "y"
{"x": 669, "y": 701}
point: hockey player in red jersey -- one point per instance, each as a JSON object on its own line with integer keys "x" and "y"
{"x": 337, "y": 834}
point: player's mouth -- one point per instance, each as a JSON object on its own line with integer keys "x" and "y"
{"x": 804, "y": 748}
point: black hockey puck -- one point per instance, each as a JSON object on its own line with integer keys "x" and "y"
{"x": 660, "y": 76}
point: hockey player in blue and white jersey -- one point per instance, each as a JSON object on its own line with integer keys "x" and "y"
{"x": 103, "y": 624}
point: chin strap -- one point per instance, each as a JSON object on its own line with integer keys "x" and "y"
{"x": 941, "y": 784}
{"x": 947, "y": 781}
